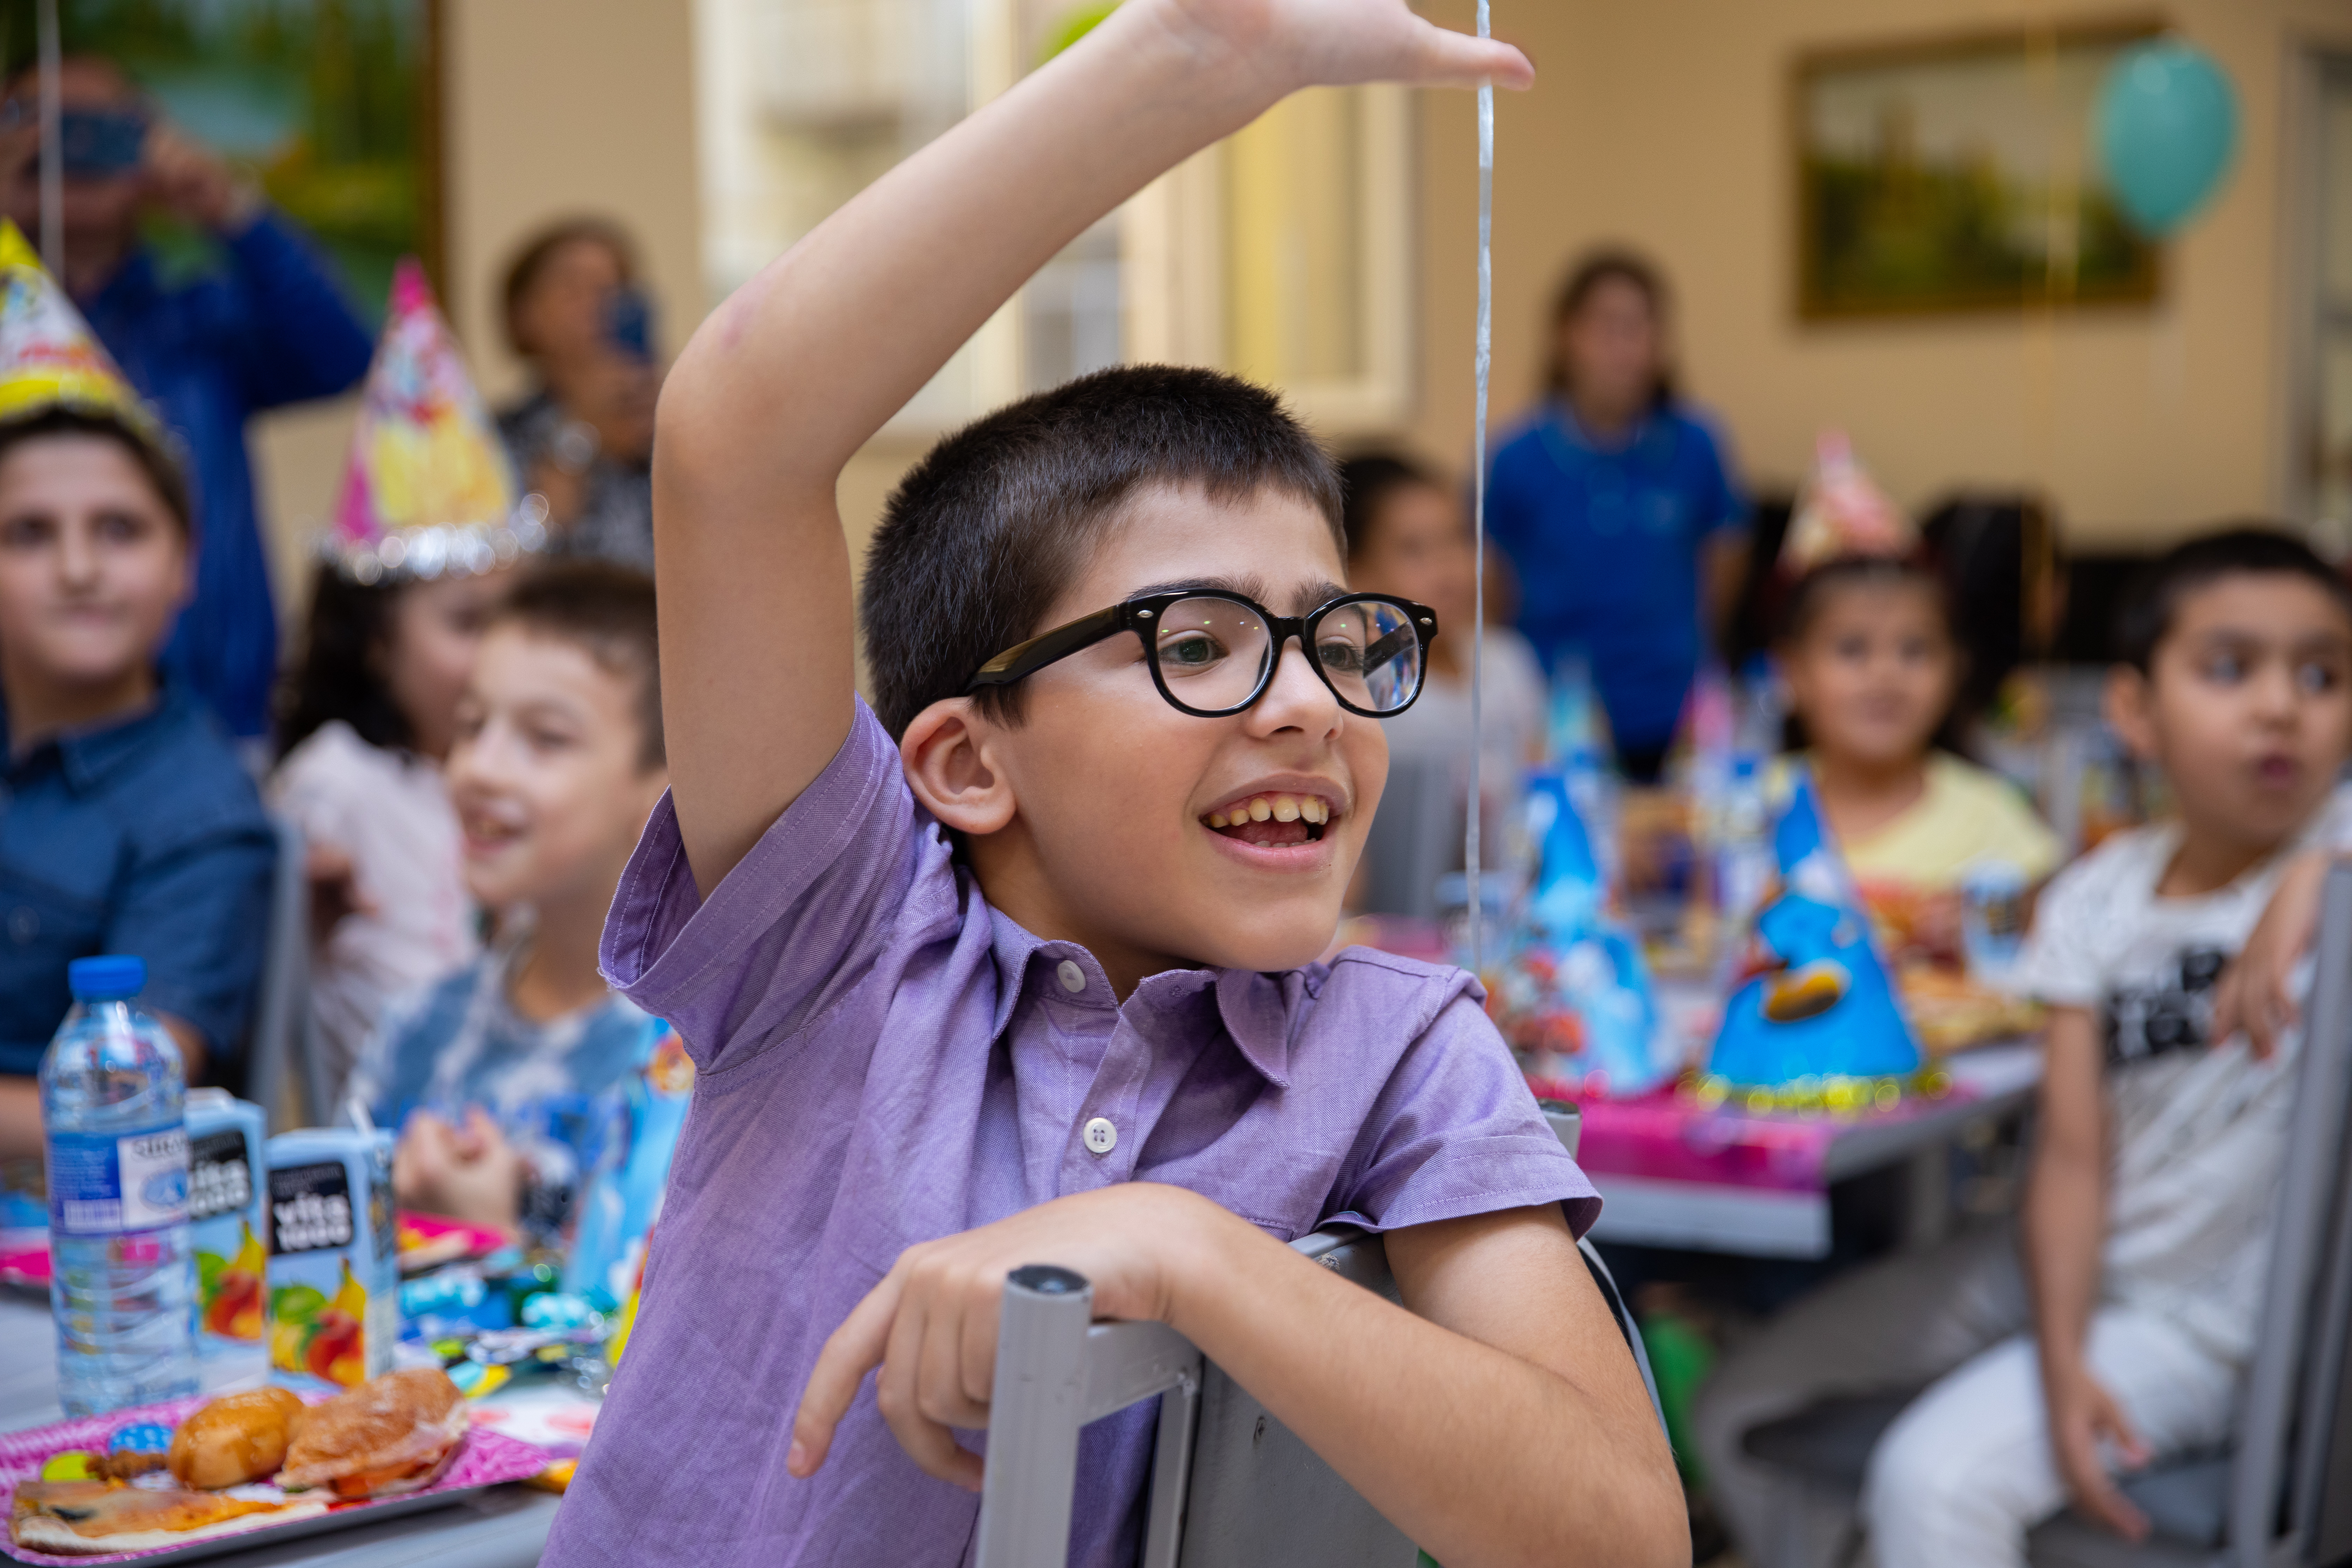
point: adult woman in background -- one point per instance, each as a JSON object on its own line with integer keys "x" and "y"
{"x": 1616, "y": 507}
{"x": 584, "y": 438}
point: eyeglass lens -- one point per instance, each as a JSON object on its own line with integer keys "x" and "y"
{"x": 1213, "y": 652}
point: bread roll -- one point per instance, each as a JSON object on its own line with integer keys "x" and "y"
{"x": 236, "y": 1438}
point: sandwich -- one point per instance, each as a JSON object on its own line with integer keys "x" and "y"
{"x": 391, "y": 1435}
{"x": 236, "y": 1438}
{"x": 79, "y": 1519}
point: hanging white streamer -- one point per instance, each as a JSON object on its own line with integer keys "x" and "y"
{"x": 1479, "y": 504}
{"x": 53, "y": 224}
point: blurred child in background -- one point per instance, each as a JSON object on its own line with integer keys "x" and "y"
{"x": 1871, "y": 667}
{"x": 1868, "y": 652}
{"x": 370, "y": 715}
{"x": 1407, "y": 536}
{"x": 127, "y": 823}
{"x": 500, "y": 1073}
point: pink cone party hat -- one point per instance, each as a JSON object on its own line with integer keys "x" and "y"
{"x": 428, "y": 492}
{"x": 1844, "y": 513}
{"x": 48, "y": 357}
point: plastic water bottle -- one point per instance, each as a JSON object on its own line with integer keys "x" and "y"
{"x": 123, "y": 1276}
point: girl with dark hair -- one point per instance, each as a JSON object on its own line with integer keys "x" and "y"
{"x": 368, "y": 716}
{"x": 1617, "y": 509}
{"x": 583, "y": 436}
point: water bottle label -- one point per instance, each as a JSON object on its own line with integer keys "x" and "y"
{"x": 103, "y": 1182}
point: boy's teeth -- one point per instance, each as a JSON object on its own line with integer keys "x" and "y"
{"x": 1274, "y": 808}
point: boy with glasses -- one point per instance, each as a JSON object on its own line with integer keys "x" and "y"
{"x": 1020, "y": 965}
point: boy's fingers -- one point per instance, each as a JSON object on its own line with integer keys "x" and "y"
{"x": 1462, "y": 59}
{"x": 853, "y": 1350}
{"x": 941, "y": 1380}
{"x": 901, "y": 1390}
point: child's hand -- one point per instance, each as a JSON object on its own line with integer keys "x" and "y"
{"x": 2082, "y": 1413}
{"x": 471, "y": 1173}
{"x": 930, "y": 1324}
{"x": 2256, "y": 993}
{"x": 335, "y": 891}
{"x": 1291, "y": 44}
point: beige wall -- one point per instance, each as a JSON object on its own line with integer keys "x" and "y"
{"x": 1664, "y": 123}
{"x": 552, "y": 107}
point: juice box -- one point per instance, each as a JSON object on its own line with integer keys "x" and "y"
{"x": 334, "y": 1264}
{"x": 228, "y": 1218}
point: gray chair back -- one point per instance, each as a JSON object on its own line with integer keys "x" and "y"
{"x": 1231, "y": 1485}
{"x": 280, "y": 1071}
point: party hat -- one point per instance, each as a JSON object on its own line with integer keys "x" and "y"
{"x": 1844, "y": 512}
{"x": 428, "y": 492}
{"x": 49, "y": 356}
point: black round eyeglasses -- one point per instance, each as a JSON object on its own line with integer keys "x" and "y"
{"x": 1215, "y": 654}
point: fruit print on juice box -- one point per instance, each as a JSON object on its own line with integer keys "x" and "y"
{"x": 334, "y": 1268}
{"x": 228, "y": 1218}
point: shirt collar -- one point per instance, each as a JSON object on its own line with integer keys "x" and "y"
{"x": 89, "y": 757}
{"x": 1255, "y": 1008}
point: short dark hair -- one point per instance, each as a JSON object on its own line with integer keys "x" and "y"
{"x": 339, "y": 673}
{"x": 162, "y": 473}
{"x": 982, "y": 535}
{"x": 607, "y": 611}
{"x": 1366, "y": 483}
{"x": 1801, "y": 604}
{"x": 522, "y": 272}
{"x": 1609, "y": 263}
{"x": 2150, "y": 604}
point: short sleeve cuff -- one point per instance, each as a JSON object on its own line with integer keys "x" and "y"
{"x": 1487, "y": 1176}
{"x": 662, "y": 939}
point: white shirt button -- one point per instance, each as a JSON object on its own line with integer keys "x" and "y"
{"x": 1101, "y": 1136}
{"x": 1073, "y": 979}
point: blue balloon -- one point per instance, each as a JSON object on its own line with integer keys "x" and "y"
{"x": 2166, "y": 126}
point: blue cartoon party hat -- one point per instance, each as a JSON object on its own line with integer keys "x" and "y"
{"x": 1824, "y": 1015}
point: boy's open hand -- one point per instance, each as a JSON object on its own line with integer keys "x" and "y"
{"x": 930, "y": 1324}
{"x": 1291, "y": 44}
{"x": 2082, "y": 1413}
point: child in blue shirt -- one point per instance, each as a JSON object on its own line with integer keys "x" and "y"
{"x": 127, "y": 823}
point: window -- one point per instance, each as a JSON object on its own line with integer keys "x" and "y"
{"x": 1280, "y": 254}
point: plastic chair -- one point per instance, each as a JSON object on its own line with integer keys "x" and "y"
{"x": 281, "y": 1071}
{"x": 1231, "y": 1487}
{"x": 2280, "y": 1495}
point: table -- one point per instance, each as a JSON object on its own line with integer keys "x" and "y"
{"x": 504, "y": 1527}
{"x": 1790, "y": 1218}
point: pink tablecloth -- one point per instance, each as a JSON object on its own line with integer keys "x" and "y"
{"x": 1665, "y": 1135}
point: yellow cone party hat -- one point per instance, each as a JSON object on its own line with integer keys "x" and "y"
{"x": 428, "y": 492}
{"x": 48, "y": 357}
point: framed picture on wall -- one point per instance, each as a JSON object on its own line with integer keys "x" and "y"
{"x": 332, "y": 104}
{"x": 1957, "y": 174}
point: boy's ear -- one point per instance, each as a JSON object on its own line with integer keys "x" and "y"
{"x": 2129, "y": 701}
{"x": 948, "y": 755}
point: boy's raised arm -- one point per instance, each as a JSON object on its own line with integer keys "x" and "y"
{"x": 800, "y": 367}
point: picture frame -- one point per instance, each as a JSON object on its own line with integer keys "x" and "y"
{"x": 334, "y": 106}
{"x": 1957, "y": 174}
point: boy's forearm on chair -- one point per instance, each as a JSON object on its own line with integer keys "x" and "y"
{"x": 1480, "y": 1455}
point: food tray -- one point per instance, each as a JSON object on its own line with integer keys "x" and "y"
{"x": 485, "y": 1460}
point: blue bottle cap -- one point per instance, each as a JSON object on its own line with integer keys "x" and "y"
{"x": 110, "y": 978}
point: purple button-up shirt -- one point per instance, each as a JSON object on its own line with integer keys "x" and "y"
{"x": 883, "y": 1059}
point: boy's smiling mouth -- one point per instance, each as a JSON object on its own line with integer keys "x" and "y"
{"x": 1271, "y": 819}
